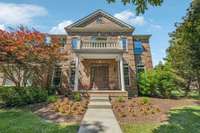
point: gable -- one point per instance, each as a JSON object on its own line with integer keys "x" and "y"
{"x": 99, "y": 21}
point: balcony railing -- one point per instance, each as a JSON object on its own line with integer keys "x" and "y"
{"x": 100, "y": 45}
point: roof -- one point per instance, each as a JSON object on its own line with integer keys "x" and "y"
{"x": 142, "y": 36}
{"x": 120, "y": 26}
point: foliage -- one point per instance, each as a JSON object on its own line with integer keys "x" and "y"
{"x": 141, "y": 5}
{"x": 52, "y": 98}
{"x": 160, "y": 82}
{"x": 145, "y": 100}
{"x": 24, "y": 121}
{"x": 26, "y": 58}
{"x": 184, "y": 50}
{"x": 17, "y": 96}
{"x": 120, "y": 99}
{"x": 76, "y": 96}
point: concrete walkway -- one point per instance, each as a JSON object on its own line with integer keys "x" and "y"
{"x": 99, "y": 117}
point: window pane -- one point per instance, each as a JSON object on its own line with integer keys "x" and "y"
{"x": 57, "y": 77}
{"x": 75, "y": 43}
{"x": 126, "y": 74}
{"x": 47, "y": 39}
{"x": 124, "y": 43}
{"x": 62, "y": 41}
{"x": 72, "y": 74}
{"x": 138, "y": 48}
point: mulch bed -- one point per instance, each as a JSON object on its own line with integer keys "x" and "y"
{"x": 135, "y": 110}
{"x": 49, "y": 112}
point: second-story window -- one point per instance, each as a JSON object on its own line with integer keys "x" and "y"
{"x": 138, "y": 48}
{"x": 124, "y": 43}
{"x": 62, "y": 41}
{"x": 47, "y": 40}
{"x": 75, "y": 43}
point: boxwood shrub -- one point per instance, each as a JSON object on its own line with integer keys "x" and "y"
{"x": 17, "y": 96}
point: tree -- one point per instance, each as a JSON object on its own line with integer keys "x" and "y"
{"x": 141, "y": 5}
{"x": 159, "y": 82}
{"x": 184, "y": 50}
{"x": 25, "y": 57}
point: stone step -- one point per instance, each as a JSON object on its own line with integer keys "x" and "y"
{"x": 98, "y": 95}
{"x": 99, "y": 107}
{"x": 99, "y": 104}
{"x": 102, "y": 98}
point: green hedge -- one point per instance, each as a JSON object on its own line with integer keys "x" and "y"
{"x": 17, "y": 96}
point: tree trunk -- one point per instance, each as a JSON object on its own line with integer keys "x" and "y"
{"x": 187, "y": 89}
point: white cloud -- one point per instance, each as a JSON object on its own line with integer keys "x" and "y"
{"x": 130, "y": 18}
{"x": 156, "y": 26}
{"x": 59, "y": 29}
{"x": 2, "y": 27}
{"x": 11, "y": 13}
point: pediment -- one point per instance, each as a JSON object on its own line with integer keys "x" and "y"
{"x": 99, "y": 21}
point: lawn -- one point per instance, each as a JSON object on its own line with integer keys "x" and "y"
{"x": 182, "y": 120}
{"x": 24, "y": 121}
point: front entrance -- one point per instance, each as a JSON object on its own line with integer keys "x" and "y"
{"x": 99, "y": 77}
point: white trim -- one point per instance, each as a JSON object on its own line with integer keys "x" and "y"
{"x": 122, "y": 73}
{"x": 76, "y": 74}
{"x": 77, "y": 23}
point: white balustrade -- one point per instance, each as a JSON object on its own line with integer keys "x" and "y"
{"x": 100, "y": 45}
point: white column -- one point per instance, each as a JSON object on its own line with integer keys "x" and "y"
{"x": 122, "y": 73}
{"x": 118, "y": 71}
{"x": 76, "y": 74}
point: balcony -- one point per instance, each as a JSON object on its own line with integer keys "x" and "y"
{"x": 100, "y": 45}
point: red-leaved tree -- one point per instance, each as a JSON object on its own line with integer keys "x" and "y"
{"x": 25, "y": 58}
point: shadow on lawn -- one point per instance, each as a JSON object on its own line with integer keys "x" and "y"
{"x": 95, "y": 127}
{"x": 186, "y": 120}
{"x": 24, "y": 121}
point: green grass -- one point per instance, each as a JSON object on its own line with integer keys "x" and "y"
{"x": 24, "y": 121}
{"x": 183, "y": 120}
{"x": 139, "y": 128}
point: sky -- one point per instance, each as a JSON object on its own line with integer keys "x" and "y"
{"x": 50, "y": 16}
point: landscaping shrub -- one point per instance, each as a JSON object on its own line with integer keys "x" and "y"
{"x": 77, "y": 96}
{"x": 120, "y": 99}
{"x": 160, "y": 82}
{"x": 145, "y": 100}
{"x": 52, "y": 99}
{"x": 17, "y": 96}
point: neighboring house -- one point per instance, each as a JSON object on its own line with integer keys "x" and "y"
{"x": 101, "y": 55}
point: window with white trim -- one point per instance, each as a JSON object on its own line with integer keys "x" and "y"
{"x": 75, "y": 42}
{"x": 57, "y": 76}
{"x": 72, "y": 74}
{"x": 124, "y": 43}
{"x": 126, "y": 74}
{"x": 47, "y": 40}
{"x": 62, "y": 41}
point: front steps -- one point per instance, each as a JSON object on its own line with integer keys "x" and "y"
{"x": 110, "y": 93}
{"x": 99, "y": 101}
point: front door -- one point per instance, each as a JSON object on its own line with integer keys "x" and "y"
{"x": 99, "y": 77}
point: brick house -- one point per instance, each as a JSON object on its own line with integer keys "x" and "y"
{"x": 101, "y": 55}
